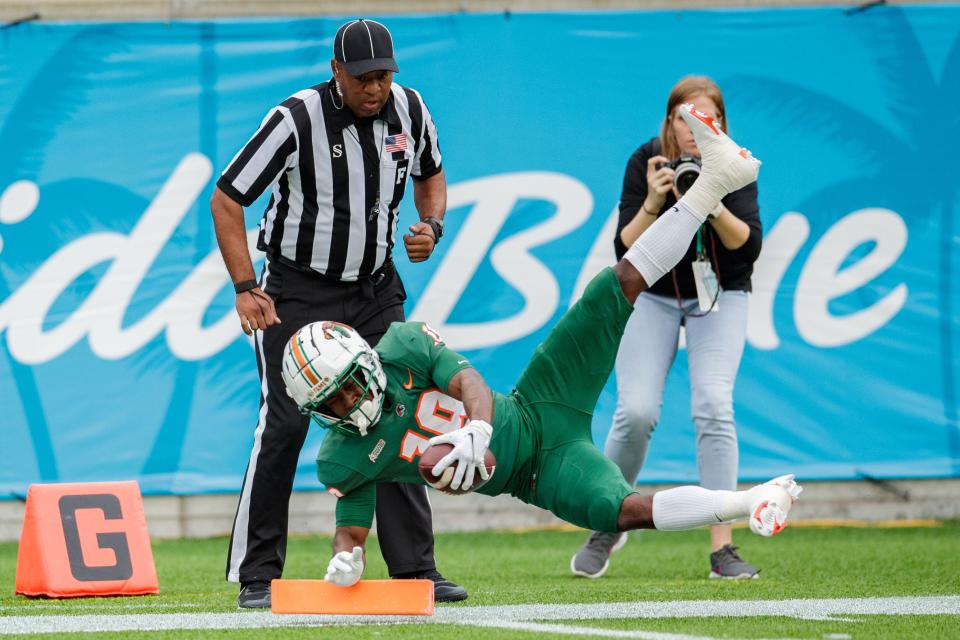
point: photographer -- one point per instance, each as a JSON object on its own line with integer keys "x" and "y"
{"x": 715, "y": 319}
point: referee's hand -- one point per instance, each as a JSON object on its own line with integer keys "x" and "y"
{"x": 256, "y": 310}
{"x": 420, "y": 242}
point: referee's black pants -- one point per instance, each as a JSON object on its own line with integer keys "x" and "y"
{"x": 258, "y": 544}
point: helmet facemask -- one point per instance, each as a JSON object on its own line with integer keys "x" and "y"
{"x": 362, "y": 415}
{"x": 319, "y": 361}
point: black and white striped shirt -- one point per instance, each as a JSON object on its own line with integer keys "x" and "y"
{"x": 337, "y": 180}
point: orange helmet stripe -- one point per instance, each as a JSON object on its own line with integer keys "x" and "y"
{"x": 301, "y": 358}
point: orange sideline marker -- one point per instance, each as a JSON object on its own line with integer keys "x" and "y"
{"x": 85, "y": 539}
{"x": 367, "y": 597}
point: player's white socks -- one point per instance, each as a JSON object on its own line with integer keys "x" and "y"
{"x": 767, "y": 506}
{"x": 685, "y": 508}
{"x": 725, "y": 168}
{"x": 663, "y": 245}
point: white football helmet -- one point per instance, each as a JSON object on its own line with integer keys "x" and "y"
{"x": 319, "y": 359}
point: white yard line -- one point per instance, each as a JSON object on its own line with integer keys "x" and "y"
{"x": 491, "y": 616}
{"x": 40, "y": 605}
{"x": 572, "y": 630}
{"x": 809, "y": 609}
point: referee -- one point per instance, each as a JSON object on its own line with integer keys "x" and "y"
{"x": 336, "y": 157}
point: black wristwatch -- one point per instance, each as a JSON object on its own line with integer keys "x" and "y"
{"x": 436, "y": 224}
{"x": 246, "y": 285}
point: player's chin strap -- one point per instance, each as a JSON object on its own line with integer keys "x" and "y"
{"x": 469, "y": 446}
{"x": 362, "y": 425}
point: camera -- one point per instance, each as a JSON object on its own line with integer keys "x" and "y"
{"x": 687, "y": 168}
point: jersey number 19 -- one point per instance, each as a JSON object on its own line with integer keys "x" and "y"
{"x": 437, "y": 414}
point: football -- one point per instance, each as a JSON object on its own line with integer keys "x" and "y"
{"x": 435, "y": 453}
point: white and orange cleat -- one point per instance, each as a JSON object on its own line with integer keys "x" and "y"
{"x": 726, "y": 166}
{"x": 770, "y": 503}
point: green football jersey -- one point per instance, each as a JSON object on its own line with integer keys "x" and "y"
{"x": 541, "y": 431}
{"x": 418, "y": 367}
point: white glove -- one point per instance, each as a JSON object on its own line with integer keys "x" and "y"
{"x": 469, "y": 445}
{"x": 345, "y": 567}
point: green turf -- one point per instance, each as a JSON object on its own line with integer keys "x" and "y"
{"x": 532, "y": 568}
{"x": 872, "y": 627}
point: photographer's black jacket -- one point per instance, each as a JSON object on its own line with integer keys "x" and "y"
{"x": 735, "y": 267}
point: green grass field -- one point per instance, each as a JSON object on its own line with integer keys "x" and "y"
{"x": 531, "y": 568}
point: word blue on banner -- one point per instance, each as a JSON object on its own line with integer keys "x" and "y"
{"x": 120, "y": 353}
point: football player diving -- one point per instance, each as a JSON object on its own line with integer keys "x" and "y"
{"x": 384, "y": 407}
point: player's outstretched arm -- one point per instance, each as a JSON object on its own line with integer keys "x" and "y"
{"x": 469, "y": 387}
{"x": 346, "y": 565}
{"x": 469, "y": 443}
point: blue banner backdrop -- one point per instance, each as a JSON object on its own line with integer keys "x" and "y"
{"x": 120, "y": 356}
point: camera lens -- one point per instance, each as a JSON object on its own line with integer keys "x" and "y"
{"x": 687, "y": 170}
{"x": 685, "y": 180}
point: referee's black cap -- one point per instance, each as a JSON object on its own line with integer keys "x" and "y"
{"x": 363, "y": 46}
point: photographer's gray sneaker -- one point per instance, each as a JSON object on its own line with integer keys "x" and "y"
{"x": 726, "y": 563}
{"x": 593, "y": 558}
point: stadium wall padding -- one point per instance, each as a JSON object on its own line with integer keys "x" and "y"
{"x": 120, "y": 354}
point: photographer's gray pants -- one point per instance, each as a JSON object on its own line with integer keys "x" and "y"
{"x": 714, "y": 345}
